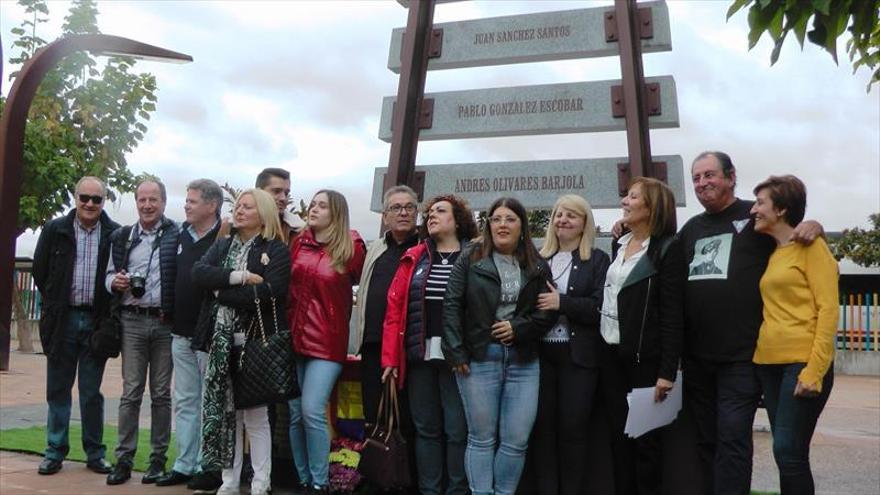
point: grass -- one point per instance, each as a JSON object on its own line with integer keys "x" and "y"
{"x": 33, "y": 440}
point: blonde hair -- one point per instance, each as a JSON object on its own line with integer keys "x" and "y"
{"x": 268, "y": 214}
{"x": 340, "y": 246}
{"x": 581, "y": 207}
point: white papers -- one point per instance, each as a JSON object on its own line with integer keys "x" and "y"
{"x": 646, "y": 415}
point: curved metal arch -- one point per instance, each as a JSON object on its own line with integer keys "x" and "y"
{"x": 12, "y": 131}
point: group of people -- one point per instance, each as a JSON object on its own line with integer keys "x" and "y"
{"x": 501, "y": 351}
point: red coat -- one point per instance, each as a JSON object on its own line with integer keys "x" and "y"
{"x": 319, "y": 305}
{"x": 394, "y": 327}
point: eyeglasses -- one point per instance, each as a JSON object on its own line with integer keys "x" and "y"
{"x": 395, "y": 209}
{"x": 503, "y": 220}
{"x": 85, "y": 198}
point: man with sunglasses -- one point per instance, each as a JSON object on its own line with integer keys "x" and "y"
{"x": 69, "y": 264}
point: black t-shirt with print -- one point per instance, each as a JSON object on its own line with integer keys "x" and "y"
{"x": 726, "y": 259}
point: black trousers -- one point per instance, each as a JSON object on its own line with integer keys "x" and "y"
{"x": 723, "y": 398}
{"x": 638, "y": 462}
{"x": 556, "y": 462}
{"x": 371, "y": 378}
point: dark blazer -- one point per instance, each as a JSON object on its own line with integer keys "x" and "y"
{"x": 581, "y": 304}
{"x": 54, "y": 260}
{"x": 650, "y": 306}
{"x": 209, "y": 274}
{"x": 470, "y": 303}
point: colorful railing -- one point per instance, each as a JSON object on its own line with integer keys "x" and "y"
{"x": 858, "y": 327}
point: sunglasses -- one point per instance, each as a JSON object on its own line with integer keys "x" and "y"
{"x": 85, "y": 198}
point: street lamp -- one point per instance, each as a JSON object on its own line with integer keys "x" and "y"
{"x": 12, "y": 131}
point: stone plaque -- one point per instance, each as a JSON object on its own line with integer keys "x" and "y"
{"x": 529, "y": 110}
{"x": 538, "y": 37}
{"x": 537, "y": 184}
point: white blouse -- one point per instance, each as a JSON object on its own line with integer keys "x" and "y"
{"x": 619, "y": 270}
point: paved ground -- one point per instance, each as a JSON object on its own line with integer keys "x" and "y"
{"x": 845, "y": 452}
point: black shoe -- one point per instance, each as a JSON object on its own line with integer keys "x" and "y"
{"x": 120, "y": 474}
{"x": 49, "y": 466}
{"x": 100, "y": 466}
{"x": 156, "y": 471}
{"x": 206, "y": 482}
{"x": 173, "y": 478}
{"x": 319, "y": 490}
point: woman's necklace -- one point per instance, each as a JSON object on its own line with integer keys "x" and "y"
{"x": 564, "y": 270}
{"x": 444, "y": 260}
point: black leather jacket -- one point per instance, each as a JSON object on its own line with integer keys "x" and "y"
{"x": 581, "y": 304}
{"x": 469, "y": 307}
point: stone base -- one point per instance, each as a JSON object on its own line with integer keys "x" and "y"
{"x": 857, "y": 363}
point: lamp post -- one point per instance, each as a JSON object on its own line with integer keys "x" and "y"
{"x": 12, "y": 132}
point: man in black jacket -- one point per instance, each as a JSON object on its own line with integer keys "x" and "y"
{"x": 203, "y": 201}
{"x": 142, "y": 271}
{"x": 69, "y": 264}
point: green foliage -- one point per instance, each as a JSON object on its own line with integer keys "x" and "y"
{"x": 829, "y": 20}
{"x": 83, "y": 120}
{"x": 859, "y": 245}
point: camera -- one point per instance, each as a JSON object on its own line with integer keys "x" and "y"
{"x": 137, "y": 284}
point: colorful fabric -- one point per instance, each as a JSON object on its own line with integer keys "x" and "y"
{"x": 218, "y": 406}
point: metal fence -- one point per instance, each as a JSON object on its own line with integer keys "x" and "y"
{"x": 858, "y": 327}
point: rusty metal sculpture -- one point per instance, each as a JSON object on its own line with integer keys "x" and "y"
{"x": 12, "y": 132}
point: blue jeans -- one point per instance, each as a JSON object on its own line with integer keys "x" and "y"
{"x": 792, "y": 421}
{"x": 75, "y": 361}
{"x": 309, "y": 433}
{"x": 438, "y": 417}
{"x": 189, "y": 372}
{"x": 500, "y": 398}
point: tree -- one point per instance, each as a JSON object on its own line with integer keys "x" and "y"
{"x": 83, "y": 119}
{"x": 830, "y": 19}
{"x": 861, "y": 246}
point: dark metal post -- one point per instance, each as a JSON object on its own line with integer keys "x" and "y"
{"x": 12, "y": 128}
{"x": 410, "y": 90}
{"x": 637, "y": 134}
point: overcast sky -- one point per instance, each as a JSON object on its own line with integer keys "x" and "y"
{"x": 299, "y": 84}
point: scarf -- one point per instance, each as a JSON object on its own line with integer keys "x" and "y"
{"x": 218, "y": 406}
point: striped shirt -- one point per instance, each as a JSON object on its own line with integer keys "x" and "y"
{"x": 82, "y": 289}
{"x": 435, "y": 289}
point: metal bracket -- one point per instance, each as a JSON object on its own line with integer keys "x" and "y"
{"x": 435, "y": 48}
{"x": 652, "y": 100}
{"x": 426, "y": 113}
{"x": 646, "y": 25}
{"x": 624, "y": 175}
{"x": 418, "y": 184}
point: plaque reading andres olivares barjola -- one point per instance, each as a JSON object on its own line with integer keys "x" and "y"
{"x": 537, "y": 184}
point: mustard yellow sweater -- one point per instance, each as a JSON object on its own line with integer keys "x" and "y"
{"x": 799, "y": 289}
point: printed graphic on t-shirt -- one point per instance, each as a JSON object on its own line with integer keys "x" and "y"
{"x": 711, "y": 258}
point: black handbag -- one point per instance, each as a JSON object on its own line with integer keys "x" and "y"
{"x": 105, "y": 342}
{"x": 384, "y": 459}
{"x": 264, "y": 370}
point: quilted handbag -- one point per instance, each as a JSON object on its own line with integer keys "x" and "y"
{"x": 264, "y": 371}
{"x": 384, "y": 460}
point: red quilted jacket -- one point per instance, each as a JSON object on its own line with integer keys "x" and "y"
{"x": 319, "y": 304}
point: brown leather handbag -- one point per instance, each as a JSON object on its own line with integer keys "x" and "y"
{"x": 384, "y": 459}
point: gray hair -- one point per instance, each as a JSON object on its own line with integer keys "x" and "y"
{"x": 94, "y": 179}
{"x": 209, "y": 190}
{"x": 154, "y": 181}
{"x": 400, "y": 188}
